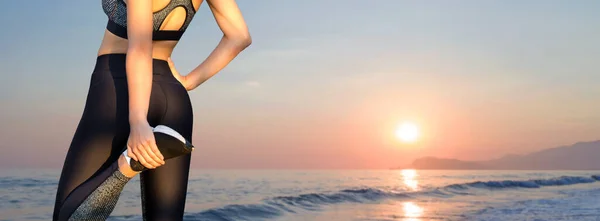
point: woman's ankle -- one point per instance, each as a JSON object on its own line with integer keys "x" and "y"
{"x": 125, "y": 168}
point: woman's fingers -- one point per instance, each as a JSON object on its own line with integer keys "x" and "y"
{"x": 130, "y": 153}
{"x": 141, "y": 158}
{"x": 182, "y": 79}
{"x": 149, "y": 159}
{"x": 158, "y": 157}
{"x": 150, "y": 150}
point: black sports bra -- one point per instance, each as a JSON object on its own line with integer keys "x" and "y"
{"x": 116, "y": 10}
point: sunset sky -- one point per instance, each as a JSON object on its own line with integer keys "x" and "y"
{"x": 325, "y": 84}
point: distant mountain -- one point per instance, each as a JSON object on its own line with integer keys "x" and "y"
{"x": 451, "y": 164}
{"x": 579, "y": 156}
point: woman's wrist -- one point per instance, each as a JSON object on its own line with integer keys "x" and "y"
{"x": 187, "y": 83}
{"x": 135, "y": 119}
{"x": 191, "y": 81}
{"x": 198, "y": 76}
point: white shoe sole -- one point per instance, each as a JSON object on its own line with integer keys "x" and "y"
{"x": 169, "y": 131}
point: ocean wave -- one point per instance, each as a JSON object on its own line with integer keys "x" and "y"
{"x": 280, "y": 205}
{"x": 10, "y": 182}
{"x": 536, "y": 183}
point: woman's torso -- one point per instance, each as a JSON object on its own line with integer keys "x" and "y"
{"x": 171, "y": 17}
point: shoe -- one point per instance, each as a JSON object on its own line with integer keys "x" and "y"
{"x": 170, "y": 144}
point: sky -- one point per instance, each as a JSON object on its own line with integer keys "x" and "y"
{"x": 325, "y": 84}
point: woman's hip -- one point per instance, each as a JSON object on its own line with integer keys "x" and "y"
{"x": 108, "y": 83}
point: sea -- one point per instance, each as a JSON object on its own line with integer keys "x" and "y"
{"x": 328, "y": 195}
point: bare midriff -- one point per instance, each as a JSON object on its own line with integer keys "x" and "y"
{"x": 112, "y": 44}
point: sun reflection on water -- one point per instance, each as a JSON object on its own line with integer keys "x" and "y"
{"x": 412, "y": 211}
{"x": 409, "y": 177}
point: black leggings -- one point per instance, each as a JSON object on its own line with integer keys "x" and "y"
{"x": 101, "y": 137}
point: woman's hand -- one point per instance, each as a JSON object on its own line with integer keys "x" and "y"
{"x": 141, "y": 145}
{"x": 182, "y": 79}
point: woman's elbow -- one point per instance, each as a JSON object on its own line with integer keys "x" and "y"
{"x": 241, "y": 41}
{"x": 247, "y": 41}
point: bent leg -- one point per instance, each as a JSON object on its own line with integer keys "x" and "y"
{"x": 97, "y": 143}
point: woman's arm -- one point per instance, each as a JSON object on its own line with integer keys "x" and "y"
{"x": 141, "y": 144}
{"x": 235, "y": 39}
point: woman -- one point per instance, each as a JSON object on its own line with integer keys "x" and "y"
{"x": 135, "y": 87}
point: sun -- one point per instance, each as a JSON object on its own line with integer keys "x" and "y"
{"x": 407, "y": 132}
